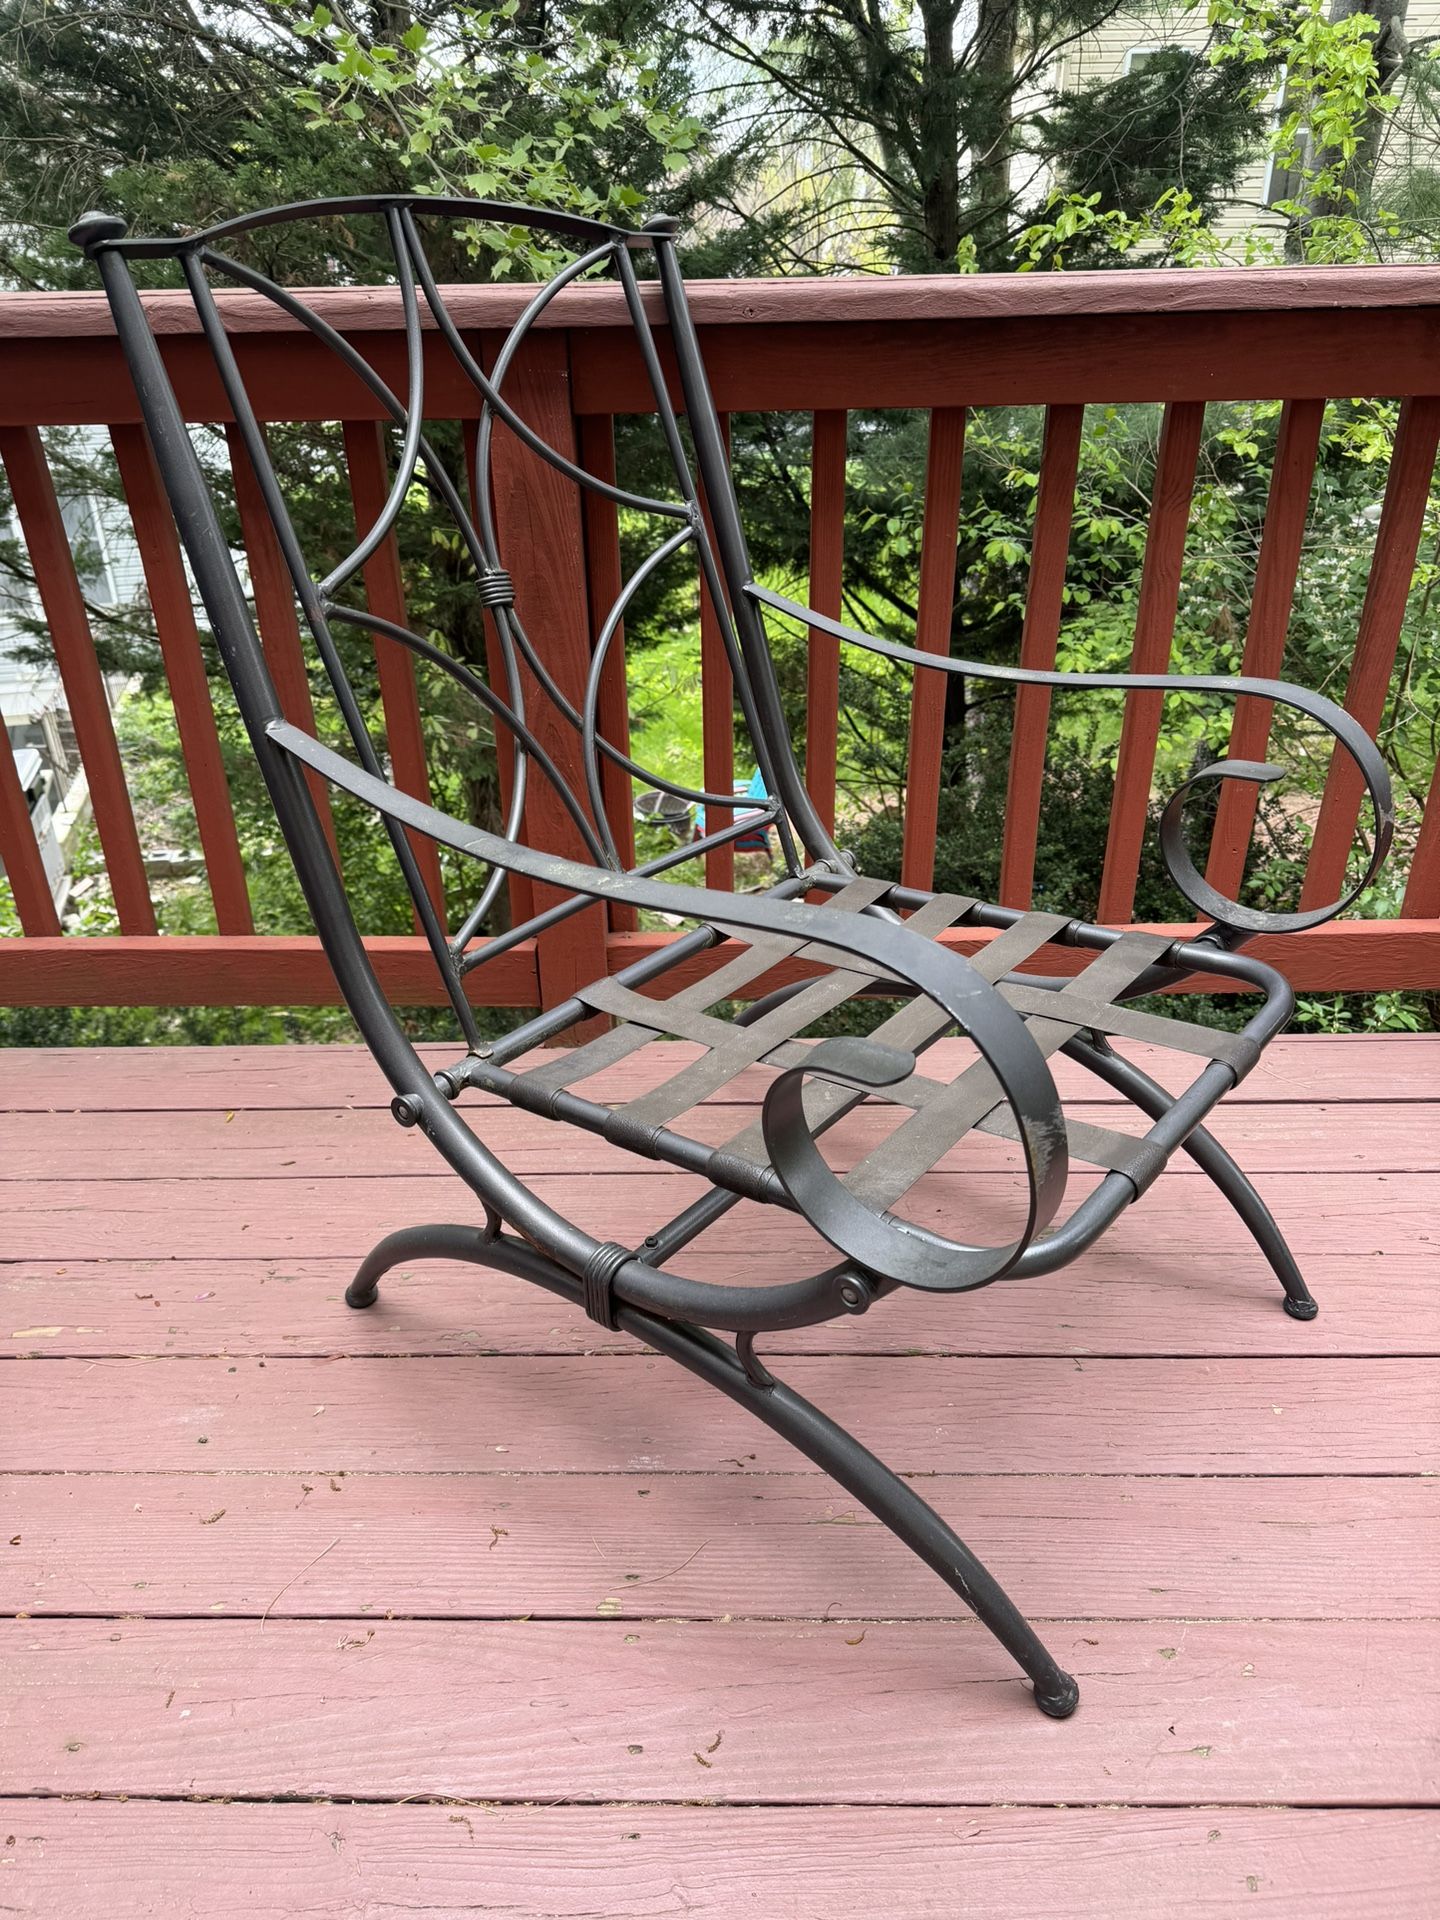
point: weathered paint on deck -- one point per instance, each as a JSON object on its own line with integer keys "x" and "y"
{"x": 429, "y": 1566}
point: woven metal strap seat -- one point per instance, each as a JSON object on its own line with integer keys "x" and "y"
{"x": 757, "y": 972}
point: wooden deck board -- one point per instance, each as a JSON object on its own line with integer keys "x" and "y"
{"x": 639, "y": 1413}
{"x": 564, "y": 1546}
{"x": 788, "y": 1712}
{"x": 102, "y": 1861}
{"x": 469, "y": 1548}
{"x": 290, "y": 1143}
{"x": 1347, "y": 1067}
{"x": 1180, "y": 1220}
{"x": 1153, "y": 1300}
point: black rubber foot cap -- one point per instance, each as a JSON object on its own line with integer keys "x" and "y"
{"x": 1301, "y": 1309}
{"x": 358, "y": 1295}
{"x": 1060, "y": 1698}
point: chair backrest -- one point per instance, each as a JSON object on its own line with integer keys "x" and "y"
{"x": 700, "y": 513}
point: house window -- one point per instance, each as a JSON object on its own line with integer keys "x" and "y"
{"x": 1284, "y": 182}
{"x": 1138, "y": 57}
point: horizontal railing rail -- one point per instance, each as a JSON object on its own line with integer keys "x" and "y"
{"x": 828, "y": 348}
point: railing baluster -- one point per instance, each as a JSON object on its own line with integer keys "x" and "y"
{"x": 174, "y": 616}
{"x": 1049, "y": 553}
{"x": 385, "y": 593}
{"x": 717, "y": 706}
{"x": 518, "y": 887}
{"x": 935, "y": 611}
{"x": 1402, "y": 519}
{"x": 827, "y": 563}
{"x": 1422, "y": 890}
{"x": 602, "y": 570}
{"x": 1154, "y": 631}
{"x": 538, "y": 528}
{"x": 275, "y": 616}
{"x": 1286, "y": 511}
{"x": 38, "y": 511}
{"x": 20, "y": 852}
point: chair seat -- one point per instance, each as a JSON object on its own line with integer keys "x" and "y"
{"x": 1056, "y": 1007}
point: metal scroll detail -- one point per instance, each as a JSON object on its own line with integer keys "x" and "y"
{"x": 1239, "y": 922}
{"x": 889, "y": 1248}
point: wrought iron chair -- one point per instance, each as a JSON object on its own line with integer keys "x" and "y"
{"x": 867, "y": 936}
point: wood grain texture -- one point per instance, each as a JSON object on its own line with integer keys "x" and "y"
{"x": 364, "y": 1142}
{"x": 1049, "y": 551}
{"x": 581, "y": 1546}
{"x": 1221, "y": 1713}
{"x": 173, "y": 613}
{"x": 1143, "y": 1300}
{"x": 935, "y": 612}
{"x": 1232, "y": 1547}
{"x": 1358, "y": 1215}
{"x": 1174, "y": 483}
{"x": 1294, "y": 1070}
{"x": 1167, "y": 292}
{"x": 102, "y": 1861}
{"x": 37, "y": 509}
{"x": 637, "y": 1413}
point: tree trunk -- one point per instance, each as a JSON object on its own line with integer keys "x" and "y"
{"x": 1390, "y": 49}
{"x": 990, "y": 134}
{"x": 938, "y": 136}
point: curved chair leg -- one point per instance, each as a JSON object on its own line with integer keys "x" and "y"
{"x": 1208, "y": 1154}
{"x": 433, "y": 1242}
{"x": 893, "y": 1502}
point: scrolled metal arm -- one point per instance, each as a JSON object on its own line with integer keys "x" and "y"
{"x": 1236, "y": 921}
{"x": 891, "y": 1249}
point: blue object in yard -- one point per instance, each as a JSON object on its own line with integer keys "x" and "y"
{"x": 755, "y": 839}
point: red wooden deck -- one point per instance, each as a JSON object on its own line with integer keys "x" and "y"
{"x": 462, "y": 1606}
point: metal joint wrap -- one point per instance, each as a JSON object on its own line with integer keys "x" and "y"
{"x": 597, "y": 1281}
{"x": 496, "y": 588}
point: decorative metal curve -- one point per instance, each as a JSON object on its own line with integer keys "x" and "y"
{"x": 1228, "y": 914}
{"x": 878, "y": 1243}
{"x": 575, "y": 226}
{"x": 455, "y": 340}
{"x": 488, "y": 698}
{"x": 1224, "y": 911}
{"x": 374, "y": 538}
{"x": 590, "y": 711}
{"x": 417, "y": 457}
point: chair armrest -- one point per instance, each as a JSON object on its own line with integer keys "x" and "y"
{"x": 1229, "y": 914}
{"x": 947, "y": 978}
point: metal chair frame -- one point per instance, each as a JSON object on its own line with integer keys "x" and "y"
{"x": 868, "y": 937}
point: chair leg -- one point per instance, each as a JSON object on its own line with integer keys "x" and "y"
{"x": 430, "y": 1242}
{"x": 1208, "y": 1154}
{"x": 892, "y": 1500}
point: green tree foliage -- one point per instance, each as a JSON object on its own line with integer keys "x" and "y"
{"x": 786, "y": 137}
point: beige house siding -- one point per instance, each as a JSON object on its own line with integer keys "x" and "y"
{"x": 1102, "y": 56}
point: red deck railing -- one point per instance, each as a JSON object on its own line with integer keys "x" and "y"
{"x": 821, "y": 346}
